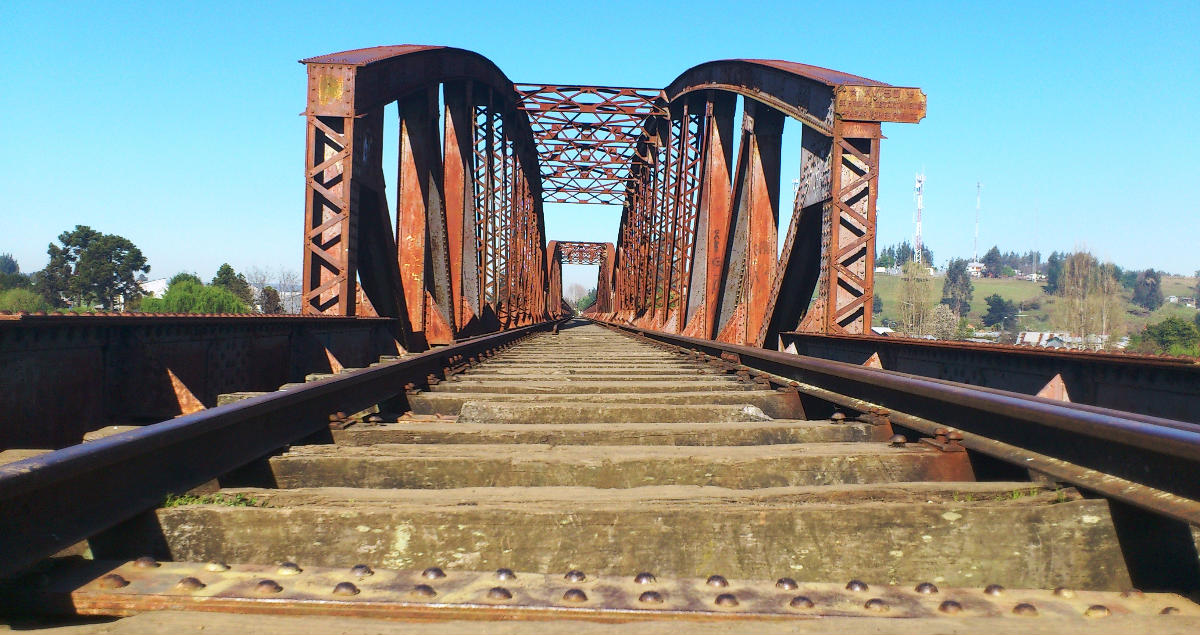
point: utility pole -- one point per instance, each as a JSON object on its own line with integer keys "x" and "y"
{"x": 919, "y": 194}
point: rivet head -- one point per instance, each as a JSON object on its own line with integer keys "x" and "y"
{"x": 433, "y": 573}
{"x": 345, "y": 588}
{"x": 876, "y": 604}
{"x": 499, "y": 593}
{"x": 575, "y": 575}
{"x": 950, "y": 606}
{"x": 112, "y": 581}
{"x": 727, "y": 600}
{"x": 651, "y": 597}
{"x": 1064, "y": 592}
{"x": 856, "y": 586}
{"x": 189, "y": 584}
{"x": 423, "y": 591}
{"x": 145, "y": 562}
{"x": 927, "y": 588}
{"x": 575, "y": 595}
{"x": 837, "y": 417}
{"x": 787, "y": 584}
{"x": 216, "y": 567}
{"x": 897, "y": 441}
{"x": 1097, "y": 610}
{"x": 801, "y": 602}
{"x": 1026, "y": 609}
{"x": 1133, "y": 594}
{"x": 361, "y": 571}
{"x": 1170, "y": 610}
{"x": 506, "y": 574}
{"x": 717, "y": 581}
{"x": 645, "y": 578}
{"x": 288, "y": 568}
{"x": 994, "y": 589}
{"x": 267, "y": 586}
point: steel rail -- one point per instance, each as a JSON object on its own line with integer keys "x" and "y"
{"x": 53, "y": 501}
{"x": 1109, "y": 449}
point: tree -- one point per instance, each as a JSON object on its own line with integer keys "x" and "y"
{"x": 586, "y": 300}
{"x": 943, "y": 324}
{"x": 1090, "y": 305}
{"x": 1173, "y": 335}
{"x": 877, "y": 305}
{"x": 1053, "y": 272}
{"x": 233, "y": 282}
{"x": 958, "y": 288}
{"x": 992, "y": 263}
{"x": 92, "y": 268}
{"x": 8, "y": 265}
{"x": 187, "y": 295}
{"x": 1147, "y": 292}
{"x": 22, "y": 300}
{"x": 1001, "y": 313}
{"x": 183, "y": 275}
{"x": 268, "y": 301}
{"x": 915, "y": 300}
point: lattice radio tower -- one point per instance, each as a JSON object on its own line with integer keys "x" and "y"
{"x": 919, "y": 194}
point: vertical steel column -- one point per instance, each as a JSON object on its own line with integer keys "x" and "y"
{"x": 459, "y": 175}
{"x": 713, "y": 217}
{"x": 330, "y": 229}
{"x": 851, "y": 257}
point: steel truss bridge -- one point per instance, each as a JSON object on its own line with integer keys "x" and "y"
{"x": 466, "y": 251}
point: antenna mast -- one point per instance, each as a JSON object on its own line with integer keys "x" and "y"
{"x": 919, "y": 194}
{"x": 978, "y": 195}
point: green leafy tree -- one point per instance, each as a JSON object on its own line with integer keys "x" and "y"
{"x": 992, "y": 263}
{"x": 1001, "y": 313}
{"x": 957, "y": 288}
{"x": 234, "y": 282}
{"x": 586, "y": 300}
{"x": 8, "y": 265}
{"x": 1173, "y": 335}
{"x": 183, "y": 275}
{"x": 1147, "y": 292}
{"x": 91, "y": 267}
{"x": 268, "y": 301}
{"x": 22, "y": 300}
{"x": 186, "y": 295}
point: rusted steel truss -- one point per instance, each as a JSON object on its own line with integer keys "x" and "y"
{"x": 586, "y": 137}
{"x": 696, "y": 251}
{"x": 468, "y": 252}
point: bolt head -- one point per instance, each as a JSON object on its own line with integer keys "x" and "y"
{"x": 1064, "y": 592}
{"x": 575, "y": 575}
{"x": 1025, "y": 609}
{"x": 994, "y": 589}
{"x": 645, "y": 578}
{"x": 145, "y": 562}
{"x": 1170, "y": 610}
{"x": 423, "y": 591}
{"x": 265, "y": 587}
{"x": 433, "y": 573}
{"x": 876, "y": 604}
{"x": 927, "y": 588}
{"x": 787, "y": 584}
{"x": 112, "y": 581}
{"x": 801, "y": 602}
{"x": 651, "y": 597}
{"x": 506, "y": 574}
{"x": 717, "y": 581}
{"x": 726, "y": 600}
{"x": 897, "y": 441}
{"x": 216, "y": 567}
{"x": 950, "y": 606}
{"x": 1097, "y": 610}
{"x": 499, "y": 593}
{"x": 857, "y": 586}
{"x": 1133, "y": 594}
{"x": 288, "y": 568}
{"x": 345, "y": 588}
{"x": 838, "y": 417}
{"x": 575, "y": 595}
{"x": 189, "y": 584}
{"x": 361, "y": 571}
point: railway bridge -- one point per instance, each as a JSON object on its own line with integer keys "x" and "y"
{"x": 717, "y": 439}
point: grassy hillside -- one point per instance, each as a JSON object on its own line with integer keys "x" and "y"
{"x": 888, "y": 289}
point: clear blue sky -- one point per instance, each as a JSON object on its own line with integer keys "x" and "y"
{"x": 177, "y": 124}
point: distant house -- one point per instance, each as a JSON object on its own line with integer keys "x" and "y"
{"x": 975, "y": 269}
{"x": 882, "y": 330}
{"x": 1048, "y": 339}
{"x": 154, "y": 288}
{"x": 1173, "y": 299}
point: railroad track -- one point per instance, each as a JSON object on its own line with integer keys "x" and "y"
{"x": 579, "y": 471}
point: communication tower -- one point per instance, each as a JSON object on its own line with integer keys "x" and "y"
{"x": 919, "y": 194}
